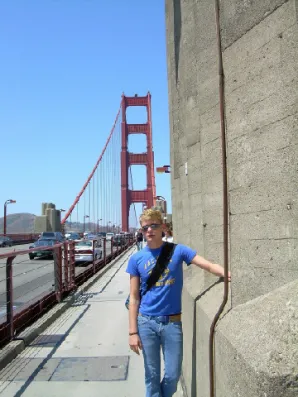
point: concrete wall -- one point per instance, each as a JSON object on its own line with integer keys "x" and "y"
{"x": 256, "y": 340}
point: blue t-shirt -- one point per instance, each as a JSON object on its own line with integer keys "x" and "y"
{"x": 164, "y": 298}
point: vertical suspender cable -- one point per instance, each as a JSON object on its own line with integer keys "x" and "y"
{"x": 89, "y": 210}
{"x": 225, "y": 202}
{"x": 97, "y": 199}
{"x": 93, "y": 206}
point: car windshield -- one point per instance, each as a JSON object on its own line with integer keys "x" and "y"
{"x": 91, "y": 236}
{"x": 44, "y": 243}
{"x": 45, "y": 234}
{"x": 84, "y": 244}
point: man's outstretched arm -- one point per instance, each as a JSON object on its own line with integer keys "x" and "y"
{"x": 213, "y": 268}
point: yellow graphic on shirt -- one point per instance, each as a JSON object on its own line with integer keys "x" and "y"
{"x": 162, "y": 279}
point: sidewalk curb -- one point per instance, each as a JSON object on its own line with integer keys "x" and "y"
{"x": 15, "y": 347}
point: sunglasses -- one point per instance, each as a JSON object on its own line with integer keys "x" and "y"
{"x": 153, "y": 226}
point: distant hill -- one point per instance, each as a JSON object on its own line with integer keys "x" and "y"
{"x": 18, "y": 223}
{"x": 24, "y": 223}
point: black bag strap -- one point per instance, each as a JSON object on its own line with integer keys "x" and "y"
{"x": 162, "y": 262}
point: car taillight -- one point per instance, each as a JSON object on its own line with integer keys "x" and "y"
{"x": 84, "y": 252}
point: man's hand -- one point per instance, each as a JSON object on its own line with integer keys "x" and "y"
{"x": 135, "y": 343}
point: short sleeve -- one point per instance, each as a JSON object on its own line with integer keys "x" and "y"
{"x": 132, "y": 267}
{"x": 187, "y": 254}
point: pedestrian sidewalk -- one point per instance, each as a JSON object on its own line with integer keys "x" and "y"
{"x": 85, "y": 352}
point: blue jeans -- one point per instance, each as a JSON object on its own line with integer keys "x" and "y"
{"x": 156, "y": 332}
{"x": 139, "y": 245}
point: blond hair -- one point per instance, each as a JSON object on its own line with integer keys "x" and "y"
{"x": 151, "y": 214}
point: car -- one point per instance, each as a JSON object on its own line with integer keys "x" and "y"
{"x": 119, "y": 240}
{"x": 58, "y": 236}
{"x": 72, "y": 236}
{"x": 110, "y": 235}
{"x": 92, "y": 236}
{"x": 5, "y": 241}
{"x": 85, "y": 249}
{"x": 42, "y": 253}
{"x": 102, "y": 234}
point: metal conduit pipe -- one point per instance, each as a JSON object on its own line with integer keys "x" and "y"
{"x": 225, "y": 203}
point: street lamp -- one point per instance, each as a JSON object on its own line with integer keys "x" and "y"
{"x": 85, "y": 216}
{"x": 98, "y": 220}
{"x": 4, "y": 220}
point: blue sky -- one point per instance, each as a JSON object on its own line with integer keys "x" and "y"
{"x": 64, "y": 65}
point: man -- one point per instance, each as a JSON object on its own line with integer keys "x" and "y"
{"x": 139, "y": 240}
{"x": 155, "y": 322}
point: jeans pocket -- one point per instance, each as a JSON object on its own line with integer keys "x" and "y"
{"x": 142, "y": 320}
{"x": 177, "y": 324}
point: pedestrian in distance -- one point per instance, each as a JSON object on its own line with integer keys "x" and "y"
{"x": 156, "y": 280}
{"x": 139, "y": 240}
{"x": 168, "y": 234}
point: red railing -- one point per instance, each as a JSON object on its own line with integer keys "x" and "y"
{"x": 28, "y": 288}
{"x": 21, "y": 238}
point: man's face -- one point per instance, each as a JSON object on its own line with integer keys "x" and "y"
{"x": 152, "y": 230}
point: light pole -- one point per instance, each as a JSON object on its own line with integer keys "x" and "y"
{"x": 5, "y": 211}
{"x": 98, "y": 220}
{"x": 85, "y": 216}
{"x": 62, "y": 227}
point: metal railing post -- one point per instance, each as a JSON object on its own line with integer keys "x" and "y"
{"x": 66, "y": 267}
{"x": 9, "y": 296}
{"x": 93, "y": 263}
{"x": 58, "y": 272}
{"x": 72, "y": 264}
{"x": 105, "y": 251}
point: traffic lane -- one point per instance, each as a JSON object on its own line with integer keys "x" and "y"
{"x": 16, "y": 248}
{"x": 34, "y": 281}
{"x": 25, "y": 270}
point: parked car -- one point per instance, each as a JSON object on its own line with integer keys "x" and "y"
{"x": 84, "y": 250}
{"x": 5, "y": 241}
{"x": 42, "y": 253}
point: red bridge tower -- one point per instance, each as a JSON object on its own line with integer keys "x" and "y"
{"x": 147, "y": 196}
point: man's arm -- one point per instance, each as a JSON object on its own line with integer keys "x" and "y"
{"x": 134, "y": 303}
{"x": 213, "y": 268}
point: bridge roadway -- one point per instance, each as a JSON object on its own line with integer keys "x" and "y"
{"x": 31, "y": 278}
